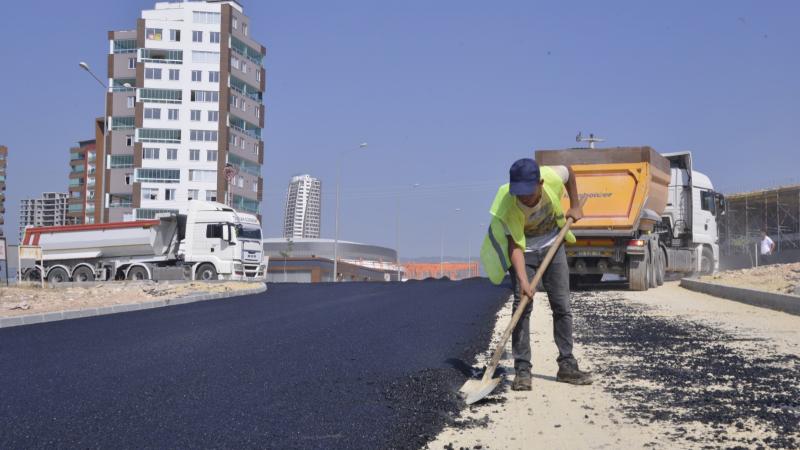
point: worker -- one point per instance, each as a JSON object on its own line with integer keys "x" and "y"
{"x": 526, "y": 218}
{"x": 767, "y": 248}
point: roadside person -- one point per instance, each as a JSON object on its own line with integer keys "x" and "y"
{"x": 526, "y": 218}
{"x": 767, "y": 248}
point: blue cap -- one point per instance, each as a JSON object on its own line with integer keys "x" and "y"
{"x": 524, "y": 177}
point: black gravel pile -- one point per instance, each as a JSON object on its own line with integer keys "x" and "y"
{"x": 697, "y": 373}
{"x": 361, "y": 365}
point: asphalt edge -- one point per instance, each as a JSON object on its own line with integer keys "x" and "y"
{"x": 7, "y": 322}
{"x": 789, "y": 304}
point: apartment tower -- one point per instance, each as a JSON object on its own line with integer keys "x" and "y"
{"x": 3, "y": 166}
{"x": 185, "y": 102}
{"x": 82, "y": 182}
{"x": 303, "y": 208}
{"x": 47, "y": 211}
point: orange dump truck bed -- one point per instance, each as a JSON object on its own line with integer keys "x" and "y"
{"x": 626, "y": 187}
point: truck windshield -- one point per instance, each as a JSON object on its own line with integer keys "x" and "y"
{"x": 248, "y": 232}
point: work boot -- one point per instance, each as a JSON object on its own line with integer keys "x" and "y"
{"x": 568, "y": 372}
{"x": 522, "y": 380}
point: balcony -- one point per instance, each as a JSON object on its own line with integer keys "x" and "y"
{"x": 245, "y": 89}
{"x": 246, "y": 51}
{"x": 161, "y": 95}
{"x": 153, "y": 55}
{"x": 244, "y": 127}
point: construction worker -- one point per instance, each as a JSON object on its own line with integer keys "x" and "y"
{"x": 767, "y": 248}
{"x": 526, "y": 218}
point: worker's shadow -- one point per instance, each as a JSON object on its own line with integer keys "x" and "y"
{"x": 477, "y": 372}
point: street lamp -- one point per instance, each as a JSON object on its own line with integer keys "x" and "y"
{"x": 101, "y": 172}
{"x": 363, "y": 145}
{"x": 397, "y": 232}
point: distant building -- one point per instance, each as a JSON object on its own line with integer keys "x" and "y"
{"x": 49, "y": 210}
{"x": 451, "y": 270}
{"x": 303, "y": 210}
{"x": 3, "y": 165}
{"x": 82, "y": 182}
{"x": 311, "y": 261}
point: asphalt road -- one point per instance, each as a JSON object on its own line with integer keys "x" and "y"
{"x": 363, "y": 365}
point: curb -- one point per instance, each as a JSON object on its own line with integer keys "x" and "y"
{"x": 779, "y": 302}
{"x": 114, "y": 309}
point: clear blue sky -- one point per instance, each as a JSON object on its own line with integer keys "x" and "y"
{"x": 446, "y": 93}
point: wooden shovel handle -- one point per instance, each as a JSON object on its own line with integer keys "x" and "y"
{"x": 498, "y": 352}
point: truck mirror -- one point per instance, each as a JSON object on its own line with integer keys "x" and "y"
{"x": 226, "y": 233}
{"x": 229, "y": 230}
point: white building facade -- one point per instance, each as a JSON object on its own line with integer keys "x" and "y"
{"x": 49, "y": 210}
{"x": 193, "y": 108}
{"x": 303, "y": 212}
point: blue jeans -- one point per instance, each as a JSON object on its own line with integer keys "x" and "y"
{"x": 556, "y": 284}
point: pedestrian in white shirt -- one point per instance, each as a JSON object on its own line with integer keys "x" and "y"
{"x": 767, "y": 248}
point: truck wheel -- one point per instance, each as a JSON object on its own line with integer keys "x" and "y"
{"x": 653, "y": 281}
{"x": 31, "y": 275}
{"x": 707, "y": 262}
{"x": 661, "y": 268}
{"x": 639, "y": 272}
{"x": 83, "y": 274}
{"x": 206, "y": 272}
{"x": 137, "y": 273}
{"x": 57, "y": 275}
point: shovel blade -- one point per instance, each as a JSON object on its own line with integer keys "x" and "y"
{"x": 475, "y": 390}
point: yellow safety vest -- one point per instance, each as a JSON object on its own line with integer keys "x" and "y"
{"x": 494, "y": 251}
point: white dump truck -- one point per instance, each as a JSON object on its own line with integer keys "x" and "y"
{"x": 211, "y": 241}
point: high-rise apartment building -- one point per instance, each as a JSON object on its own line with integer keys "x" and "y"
{"x": 185, "y": 102}
{"x": 49, "y": 210}
{"x": 3, "y": 166}
{"x": 82, "y": 182}
{"x": 303, "y": 208}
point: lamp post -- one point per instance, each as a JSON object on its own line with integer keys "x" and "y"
{"x": 363, "y": 145}
{"x": 101, "y": 172}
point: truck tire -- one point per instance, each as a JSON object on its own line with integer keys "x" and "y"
{"x": 639, "y": 272}
{"x": 31, "y": 275}
{"x": 707, "y": 262}
{"x": 57, "y": 275}
{"x": 206, "y": 272}
{"x": 83, "y": 274}
{"x": 653, "y": 281}
{"x": 137, "y": 273}
{"x": 661, "y": 268}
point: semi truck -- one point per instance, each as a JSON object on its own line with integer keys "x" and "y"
{"x": 646, "y": 214}
{"x": 210, "y": 241}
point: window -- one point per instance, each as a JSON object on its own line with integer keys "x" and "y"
{"x": 213, "y": 77}
{"x": 211, "y": 196}
{"x": 197, "y": 75}
{"x": 194, "y": 155}
{"x": 213, "y": 230}
{"x": 158, "y": 175}
{"x": 211, "y": 155}
{"x": 195, "y": 114}
{"x": 197, "y": 36}
{"x": 244, "y": 106}
{"x": 130, "y": 101}
{"x": 235, "y": 23}
{"x": 149, "y": 153}
{"x": 159, "y": 135}
{"x": 205, "y": 57}
{"x": 215, "y": 37}
{"x": 152, "y": 113}
{"x": 153, "y": 34}
{"x": 213, "y": 116}
{"x": 132, "y": 63}
{"x": 205, "y": 96}
{"x": 203, "y": 135}
{"x": 125, "y": 46}
{"x": 172, "y": 114}
{"x": 244, "y": 28}
{"x": 707, "y": 201}
{"x": 161, "y": 95}
{"x": 203, "y": 175}
{"x": 161, "y": 56}
{"x": 193, "y": 194}
{"x": 175, "y": 35}
{"x": 174, "y": 74}
{"x": 129, "y": 140}
{"x": 172, "y": 154}
{"x": 128, "y": 178}
{"x": 258, "y": 75}
{"x": 235, "y": 62}
{"x": 255, "y": 187}
{"x": 240, "y": 181}
{"x": 169, "y": 194}
{"x": 211, "y": 18}
{"x": 152, "y": 73}
{"x": 258, "y": 112}
{"x": 244, "y": 67}
{"x": 122, "y": 123}
{"x": 149, "y": 193}
{"x": 121, "y": 161}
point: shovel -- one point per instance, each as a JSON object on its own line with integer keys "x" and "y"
{"x": 475, "y": 390}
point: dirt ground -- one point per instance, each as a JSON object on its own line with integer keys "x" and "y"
{"x": 673, "y": 368}
{"x": 18, "y": 301}
{"x": 779, "y": 278}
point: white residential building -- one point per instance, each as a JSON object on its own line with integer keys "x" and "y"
{"x": 49, "y": 210}
{"x": 303, "y": 208}
{"x": 194, "y": 107}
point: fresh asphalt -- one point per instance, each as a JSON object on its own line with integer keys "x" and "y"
{"x": 351, "y": 365}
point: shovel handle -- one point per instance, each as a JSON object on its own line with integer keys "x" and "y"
{"x": 498, "y": 352}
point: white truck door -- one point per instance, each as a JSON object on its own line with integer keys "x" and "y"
{"x": 704, "y": 228}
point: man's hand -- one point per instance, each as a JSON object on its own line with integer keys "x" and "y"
{"x": 575, "y": 212}
{"x": 525, "y": 288}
